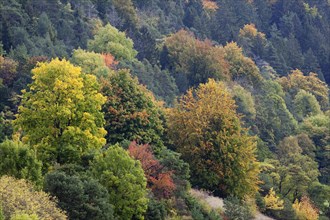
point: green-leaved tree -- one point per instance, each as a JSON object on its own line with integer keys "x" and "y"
{"x": 108, "y": 39}
{"x": 124, "y": 179}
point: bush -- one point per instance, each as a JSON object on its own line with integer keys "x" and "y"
{"x": 81, "y": 197}
{"x": 198, "y": 211}
{"x": 236, "y": 209}
{"x": 287, "y": 213}
{"x": 156, "y": 210}
{"x": 19, "y": 160}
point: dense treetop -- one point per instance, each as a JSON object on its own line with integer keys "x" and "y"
{"x": 113, "y": 109}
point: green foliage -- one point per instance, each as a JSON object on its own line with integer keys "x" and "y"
{"x": 81, "y": 197}
{"x": 173, "y": 161}
{"x": 156, "y": 210}
{"x": 127, "y": 11}
{"x": 320, "y": 194}
{"x": 90, "y": 62}
{"x": 245, "y": 103}
{"x": 2, "y": 217}
{"x": 305, "y": 104}
{"x": 19, "y": 160}
{"x": 318, "y": 129}
{"x": 288, "y": 147}
{"x": 24, "y": 217}
{"x": 307, "y": 145}
{"x": 237, "y": 209}
{"x": 274, "y": 120}
{"x": 109, "y": 40}
{"x": 2, "y": 51}
{"x": 45, "y": 27}
{"x": 124, "y": 179}
{"x": 131, "y": 113}
{"x": 60, "y": 115}
{"x": 292, "y": 175}
{"x": 204, "y": 127}
{"x": 6, "y": 127}
{"x": 198, "y": 211}
{"x": 160, "y": 82}
{"x": 263, "y": 151}
{"x": 287, "y": 213}
{"x": 297, "y": 81}
{"x": 16, "y": 196}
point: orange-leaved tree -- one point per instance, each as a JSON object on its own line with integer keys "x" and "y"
{"x": 159, "y": 180}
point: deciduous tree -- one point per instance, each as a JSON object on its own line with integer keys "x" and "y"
{"x": 305, "y": 104}
{"x": 60, "y": 115}
{"x": 158, "y": 178}
{"x": 19, "y": 160}
{"x": 110, "y": 40}
{"x": 296, "y": 81}
{"x": 131, "y": 112}
{"x": 19, "y": 196}
{"x": 272, "y": 201}
{"x": 193, "y": 60}
{"x": 205, "y": 128}
{"x": 90, "y": 62}
{"x": 124, "y": 179}
{"x": 305, "y": 209}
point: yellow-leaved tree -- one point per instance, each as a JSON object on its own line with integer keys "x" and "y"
{"x": 297, "y": 81}
{"x": 305, "y": 210}
{"x": 206, "y": 130}
{"x": 272, "y": 201}
{"x": 60, "y": 115}
{"x": 18, "y": 197}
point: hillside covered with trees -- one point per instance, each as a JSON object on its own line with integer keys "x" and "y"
{"x": 115, "y": 109}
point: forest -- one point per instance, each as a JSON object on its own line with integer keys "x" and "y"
{"x": 118, "y": 109}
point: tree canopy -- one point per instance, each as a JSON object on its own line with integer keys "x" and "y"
{"x": 124, "y": 179}
{"x": 205, "y": 128}
{"x": 60, "y": 115}
{"x": 15, "y": 197}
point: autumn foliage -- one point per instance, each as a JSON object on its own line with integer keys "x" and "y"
{"x": 19, "y": 196}
{"x": 250, "y": 30}
{"x": 195, "y": 59}
{"x": 206, "y": 130}
{"x": 296, "y": 81}
{"x": 159, "y": 180}
{"x": 109, "y": 60}
{"x": 272, "y": 201}
{"x": 210, "y": 5}
{"x": 305, "y": 209}
{"x": 8, "y": 70}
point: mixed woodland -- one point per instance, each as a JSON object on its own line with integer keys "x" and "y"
{"x": 116, "y": 109}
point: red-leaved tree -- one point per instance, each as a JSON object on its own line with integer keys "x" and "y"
{"x": 159, "y": 180}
